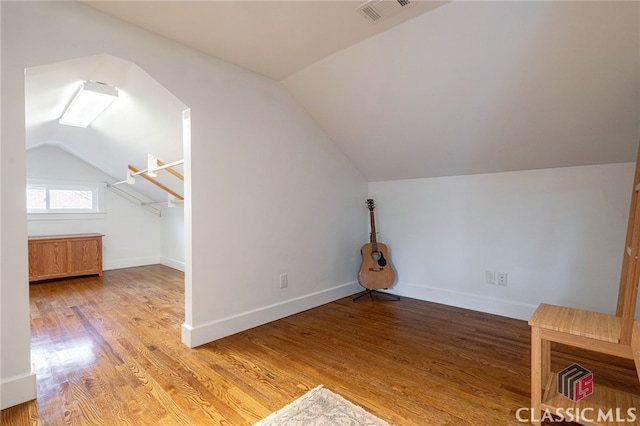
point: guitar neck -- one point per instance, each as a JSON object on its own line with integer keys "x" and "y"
{"x": 374, "y": 242}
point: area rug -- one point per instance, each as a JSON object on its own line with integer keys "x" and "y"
{"x": 321, "y": 407}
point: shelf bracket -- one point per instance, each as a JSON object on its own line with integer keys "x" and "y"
{"x": 156, "y": 183}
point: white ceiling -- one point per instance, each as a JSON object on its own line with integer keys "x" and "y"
{"x": 273, "y": 38}
{"x": 443, "y": 88}
{"x": 477, "y": 87}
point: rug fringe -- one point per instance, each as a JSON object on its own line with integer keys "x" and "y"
{"x": 289, "y": 414}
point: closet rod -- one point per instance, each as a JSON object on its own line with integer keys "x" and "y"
{"x": 155, "y": 169}
{"x": 162, "y": 167}
{"x": 156, "y": 183}
{"x": 172, "y": 171}
{"x": 132, "y": 198}
{"x": 161, "y": 202}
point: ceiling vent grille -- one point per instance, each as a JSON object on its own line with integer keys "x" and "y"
{"x": 377, "y": 10}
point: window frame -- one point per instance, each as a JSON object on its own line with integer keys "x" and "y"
{"x": 97, "y": 198}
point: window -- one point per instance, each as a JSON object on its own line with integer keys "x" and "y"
{"x": 64, "y": 197}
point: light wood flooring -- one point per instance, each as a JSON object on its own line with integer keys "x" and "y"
{"x": 108, "y": 352}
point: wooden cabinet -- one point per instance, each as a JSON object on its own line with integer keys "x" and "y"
{"x": 59, "y": 256}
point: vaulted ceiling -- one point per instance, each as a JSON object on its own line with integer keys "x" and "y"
{"x": 146, "y": 119}
{"x": 477, "y": 87}
{"x": 439, "y": 88}
{"x": 273, "y": 38}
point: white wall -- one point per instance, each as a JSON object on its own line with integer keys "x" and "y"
{"x": 557, "y": 233}
{"x": 17, "y": 378}
{"x": 268, "y": 193}
{"x": 172, "y": 249}
{"x": 132, "y": 234}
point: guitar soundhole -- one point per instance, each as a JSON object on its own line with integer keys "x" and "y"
{"x": 379, "y": 258}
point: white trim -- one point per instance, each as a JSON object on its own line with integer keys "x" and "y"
{"x": 475, "y": 302}
{"x": 172, "y": 263}
{"x": 18, "y": 389}
{"x": 65, "y": 216}
{"x": 129, "y": 262}
{"x": 205, "y": 333}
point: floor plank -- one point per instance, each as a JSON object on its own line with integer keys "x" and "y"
{"x": 108, "y": 351}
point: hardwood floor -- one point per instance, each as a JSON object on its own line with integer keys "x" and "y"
{"x": 108, "y": 352}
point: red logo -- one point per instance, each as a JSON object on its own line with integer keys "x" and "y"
{"x": 575, "y": 382}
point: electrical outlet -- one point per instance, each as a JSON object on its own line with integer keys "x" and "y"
{"x": 490, "y": 277}
{"x": 502, "y": 278}
{"x": 284, "y": 281}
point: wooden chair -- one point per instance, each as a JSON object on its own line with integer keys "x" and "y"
{"x": 617, "y": 335}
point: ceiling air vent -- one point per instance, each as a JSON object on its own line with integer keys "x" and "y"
{"x": 377, "y": 10}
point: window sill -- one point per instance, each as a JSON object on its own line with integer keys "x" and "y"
{"x": 65, "y": 216}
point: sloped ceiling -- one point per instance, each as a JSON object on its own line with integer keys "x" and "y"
{"x": 449, "y": 88}
{"x": 477, "y": 87}
{"x": 146, "y": 119}
{"x": 270, "y": 37}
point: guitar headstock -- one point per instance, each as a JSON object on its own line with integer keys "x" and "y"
{"x": 370, "y": 204}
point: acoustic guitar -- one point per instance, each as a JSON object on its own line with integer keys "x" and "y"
{"x": 376, "y": 271}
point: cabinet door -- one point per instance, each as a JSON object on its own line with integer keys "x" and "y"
{"x": 85, "y": 256}
{"x": 48, "y": 259}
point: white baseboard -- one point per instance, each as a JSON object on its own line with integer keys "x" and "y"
{"x": 108, "y": 264}
{"x": 475, "y": 302}
{"x": 199, "y": 335}
{"x": 173, "y": 263}
{"x": 17, "y": 390}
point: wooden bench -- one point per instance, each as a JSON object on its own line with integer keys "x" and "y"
{"x": 615, "y": 335}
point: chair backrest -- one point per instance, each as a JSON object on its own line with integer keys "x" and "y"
{"x": 628, "y": 291}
